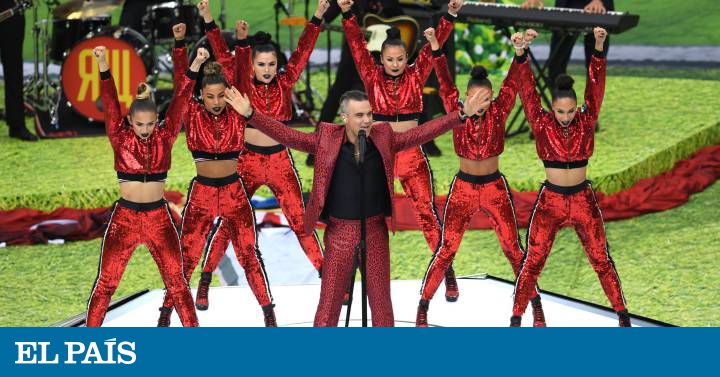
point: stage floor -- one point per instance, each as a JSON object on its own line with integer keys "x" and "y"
{"x": 483, "y": 302}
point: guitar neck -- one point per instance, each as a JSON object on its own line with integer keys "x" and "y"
{"x": 4, "y": 15}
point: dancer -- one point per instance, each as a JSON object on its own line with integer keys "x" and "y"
{"x": 264, "y": 161}
{"x": 395, "y": 92}
{"x": 142, "y": 148}
{"x": 217, "y": 205}
{"x": 564, "y": 139}
{"x": 479, "y": 185}
{"x": 336, "y": 191}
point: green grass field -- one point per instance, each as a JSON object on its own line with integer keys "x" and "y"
{"x": 694, "y": 22}
{"x": 639, "y": 139}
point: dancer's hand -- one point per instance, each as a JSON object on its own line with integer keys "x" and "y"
{"x": 345, "y": 5}
{"x": 600, "y": 37}
{"x": 204, "y": 10}
{"x": 179, "y": 31}
{"x": 241, "y": 29}
{"x": 323, "y": 6}
{"x": 100, "y": 53}
{"x": 530, "y": 35}
{"x": 533, "y": 4}
{"x": 202, "y": 56}
{"x": 432, "y": 38}
{"x": 454, "y": 7}
{"x": 479, "y": 101}
{"x": 595, "y": 6}
{"x": 238, "y": 101}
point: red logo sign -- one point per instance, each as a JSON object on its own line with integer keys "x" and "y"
{"x": 81, "y": 76}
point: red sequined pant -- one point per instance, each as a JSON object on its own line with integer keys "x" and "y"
{"x": 130, "y": 225}
{"x": 413, "y": 170}
{"x": 468, "y": 195}
{"x": 277, "y": 171}
{"x": 555, "y": 208}
{"x": 341, "y": 237}
{"x": 217, "y": 209}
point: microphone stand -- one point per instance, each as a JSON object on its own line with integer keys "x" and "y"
{"x": 361, "y": 248}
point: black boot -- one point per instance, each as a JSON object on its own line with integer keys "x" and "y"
{"x": 269, "y": 315}
{"x": 624, "y": 318}
{"x": 22, "y": 133}
{"x": 164, "y": 320}
{"x": 421, "y": 319}
{"x": 201, "y": 299}
{"x": 515, "y": 321}
{"x": 538, "y": 313}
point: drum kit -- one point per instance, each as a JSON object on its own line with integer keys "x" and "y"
{"x": 77, "y": 27}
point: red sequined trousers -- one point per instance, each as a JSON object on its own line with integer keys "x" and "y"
{"x": 220, "y": 209}
{"x": 413, "y": 170}
{"x": 555, "y": 208}
{"x": 341, "y": 237}
{"x": 491, "y": 196}
{"x": 127, "y": 229}
{"x": 277, "y": 171}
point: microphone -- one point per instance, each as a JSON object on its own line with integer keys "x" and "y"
{"x": 362, "y": 145}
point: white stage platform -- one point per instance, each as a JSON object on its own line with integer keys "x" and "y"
{"x": 483, "y": 302}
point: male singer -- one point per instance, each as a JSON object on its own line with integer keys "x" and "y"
{"x": 335, "y": 195}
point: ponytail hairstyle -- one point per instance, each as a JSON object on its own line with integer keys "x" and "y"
{"x": 213, "y": 74}
{"x": 393, "y": 39}
{"x": 479, "y": 78}
{"x": 564, "y": 88}
{"x": 143, "y": 100}
{"x": 262, "y": 42}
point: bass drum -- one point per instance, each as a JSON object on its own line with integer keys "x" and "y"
{"x": 66, "y": 33}
{"x": 160, "y": 18}
{"x": 132, "y": 60}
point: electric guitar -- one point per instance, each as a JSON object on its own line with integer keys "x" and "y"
{"x": 376, "y": 31}
{"x": 18, "y": 8}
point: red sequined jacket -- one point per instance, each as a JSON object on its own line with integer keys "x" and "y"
{"x": 479, "y": 138}
{"x": 134, "y": 155}
{"x": 393, "y": 97}
{"x": 553, "y": 142}
{"x": 209, "y": 136}
{"x": 325, "y": 143}
{"x": 275, "y": 98}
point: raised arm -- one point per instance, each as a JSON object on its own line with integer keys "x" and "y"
{"x": 217, "y": 42}
{"x": 299, "y": 58}
{"x": 179, "y": 54}
{"x": 595, "y": 87}
{"x": 305, "y": 142}
{"x": 178, "y": 110}
{"x": 528, "y": 93}
{"x": 505, "y": 100}
{"x": 444, "y": 30}
{"x": 448, "y": 90}
{"x": 243, "y": 58}
{"x": 355, "y": 37}
{"x": 108, "y": 96}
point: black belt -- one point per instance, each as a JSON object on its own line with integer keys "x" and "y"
{"x": 265, "y": 150}
{"x": 566, "y": 190}
{"x": 478, "y": 179}
{"x": 233, "y": 155}
{"x": 145, "y": 177}
{"x": 565, "y": 165}
{"x": 396, "y": 117}
{"x": 218, "y": 182}
{"x": 141, "y": 207}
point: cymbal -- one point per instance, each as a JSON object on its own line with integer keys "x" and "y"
{"x": 76, "y": 9}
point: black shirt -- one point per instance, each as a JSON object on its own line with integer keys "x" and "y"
{"x": 343, "y": 199}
